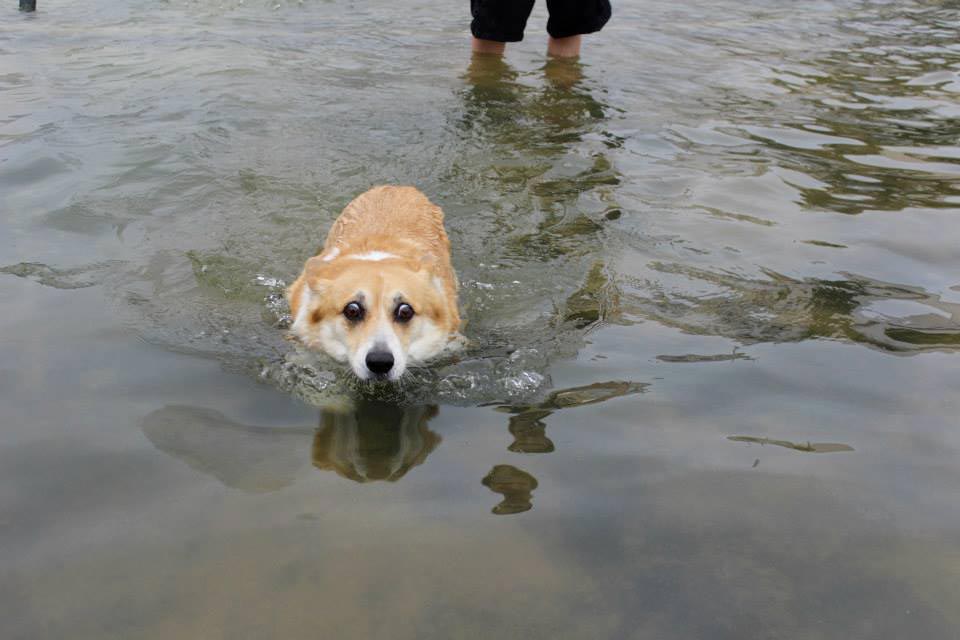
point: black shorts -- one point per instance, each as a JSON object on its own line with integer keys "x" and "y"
{"x": 504, "y": 20}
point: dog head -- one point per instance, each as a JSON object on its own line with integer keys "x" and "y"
{"x": 378, "y": 312}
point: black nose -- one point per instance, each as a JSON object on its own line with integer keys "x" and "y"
{"x": 380, "y": 362}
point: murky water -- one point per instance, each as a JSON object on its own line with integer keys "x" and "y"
{"x": 712, "y": 282}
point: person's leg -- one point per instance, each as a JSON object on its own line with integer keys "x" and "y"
{"x": 569, "y": 19}
{"x": 564, "y": 47}
{"x": 496, "y": 22}
{"x": 488, "y": 46}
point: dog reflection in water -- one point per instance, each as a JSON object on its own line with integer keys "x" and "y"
{"x": 375, "y": 441}
{"x": 378, "y": 441}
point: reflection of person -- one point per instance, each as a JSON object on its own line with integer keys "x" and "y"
{"x": 496, "y": 22}
{"x": 529, "y": 432}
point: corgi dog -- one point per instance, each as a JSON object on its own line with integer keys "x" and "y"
{"x": 382, "y": 294}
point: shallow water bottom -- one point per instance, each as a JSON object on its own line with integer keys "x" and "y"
{"x": 177, "y": 500}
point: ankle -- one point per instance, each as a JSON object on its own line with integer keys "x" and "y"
{"x": 564, "y": 47}
{"x": 488, "y": 46}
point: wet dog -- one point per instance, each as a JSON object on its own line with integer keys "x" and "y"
{"x": 382, "y": 294}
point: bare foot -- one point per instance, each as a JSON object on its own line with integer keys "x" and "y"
{"x": 563, "y": 47}
{"x": 563, "y": 73}
{"x": 488, "y": 46}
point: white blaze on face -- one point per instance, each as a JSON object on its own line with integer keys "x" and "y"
{"x": 384, "y": 338}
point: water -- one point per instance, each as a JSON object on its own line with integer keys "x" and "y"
{"x": 712, "y": 282}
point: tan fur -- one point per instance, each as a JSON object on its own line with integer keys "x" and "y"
{"x": 400, "y": 222}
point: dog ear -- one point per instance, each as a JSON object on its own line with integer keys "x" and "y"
{"x": 316, "y": 272}
{"x": 295, "y": 296}
{"x": 310, "y": 282}
{"x": 429, "y": 263}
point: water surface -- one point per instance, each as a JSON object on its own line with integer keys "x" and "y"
{"x": 712, "y": 281}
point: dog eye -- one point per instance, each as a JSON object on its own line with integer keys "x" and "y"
{"x": 404, "y": 313}
{"x": 353, "y": 312}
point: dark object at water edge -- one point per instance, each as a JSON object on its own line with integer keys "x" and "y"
{"x": 28, "y": 5}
